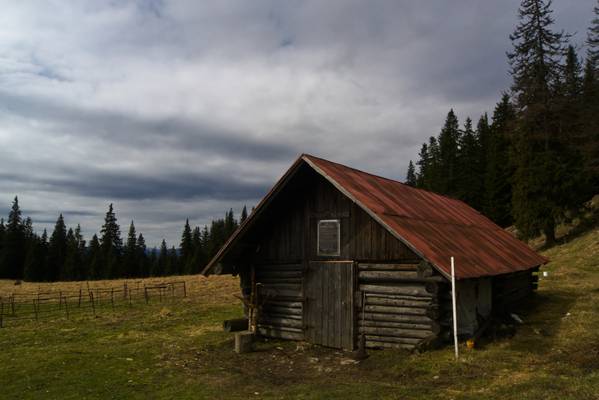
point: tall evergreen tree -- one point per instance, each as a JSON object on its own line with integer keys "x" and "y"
{"x": 590, "y": 101}
{"x": 186, "y": 247}
{"x": 13, "y": 249}
{"x": 162, "y": 263}
{"x": 423, "y": 166}
{"x": 68, "y": 270}
{"x": 244, "y": 214}
{"x": 546, "y": 173}
{"x": 35, "y": 261}
{"x": 57, "y": 250}
{"x": 448, "y": 156}
{"x": 143, "y": 268}
{"x": 111, "y": 244}
{"x": 468, "y": 168}
{"x": 230, "y": 224}
{"x": 499, "y": 170}
{"x": 411, "y": 178}
{"x": 130, "y": 262}
{"x": 95, "y": 260}
{"x": 593, "y": 39}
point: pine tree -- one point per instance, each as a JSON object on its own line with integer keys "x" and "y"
{"x": 198, "y": 259}
{"x": 35, "y": 261}
{"x": 111, "y": 244}
{"x": 172, "y": 262}
{"x": 499, "y": 170}
{"x": 57, "y": 250}
{"x": 411, "y": 178}
{"x": 244, "y": 214}
{"x": 590, "y": 100}
{"x": 593, "y": 39}
{"x": 143, "y": 268}
{"x": 12, "y": 258}
{"x": 153, "y": 263}
{"x": 423, "y": 166}
{"x": 95, "y": 259}
{"x": 468, "y": 168}
{"x": 130, "y": 254}
{"x": 186, "y": 247}
{"x": 230, "y": 224}
{"x": 67, "y": 272}
{"x": 546, "y": 173}
{"x": 448, "y": 156}
{"x": 162, "y": 263}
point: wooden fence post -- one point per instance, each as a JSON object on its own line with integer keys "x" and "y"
{"x": 66, "y": 306}
{"x": 60, "y": 300}
{"x": 184, "y": 289}
{"x": 91, "y": 297}
{"x": 125, "y": 290}
{"x": 12, "y": 304}
{"x": 112, "y": 298}
{"x": 79, "y": 303}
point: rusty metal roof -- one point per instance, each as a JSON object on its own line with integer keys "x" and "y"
{"x": 435, "y": 227}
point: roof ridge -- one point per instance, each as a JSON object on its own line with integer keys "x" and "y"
{"x": 385, "y": 178}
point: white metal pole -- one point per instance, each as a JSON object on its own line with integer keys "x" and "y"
{"x": 455, "y": 312}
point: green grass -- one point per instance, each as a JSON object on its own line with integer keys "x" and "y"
{"x": 177, "y": 350}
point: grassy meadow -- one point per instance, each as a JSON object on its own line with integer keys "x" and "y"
{"x": 177, "y": 350}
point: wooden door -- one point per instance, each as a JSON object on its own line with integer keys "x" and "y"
{"x": 328, "y": 311}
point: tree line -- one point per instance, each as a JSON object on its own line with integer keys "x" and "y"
{"x": 65, "y": 255}
{"x": 537, "y": 160}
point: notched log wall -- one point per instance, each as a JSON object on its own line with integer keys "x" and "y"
{"x": 398, "y": 304}
{"x": 280, "y": 298}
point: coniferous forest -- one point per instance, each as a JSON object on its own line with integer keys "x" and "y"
{"x": 65, "y": 255}
{"x": 536, "y": 160}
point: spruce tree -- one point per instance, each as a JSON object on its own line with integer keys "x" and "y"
{"x": 411, "y": 178}
{"x": 162, "y": 263}
{"x": 95, "y": 260}
{"x": 448, "y": 155}
{"x": 230, "y": 224}
{"x": 111, "y": 244}
{"x": 68, "y": 271}
{"x": 499, "y": 170}
{"x": 172, "y": 262}
{"x": 186, "y": 247}
{"x": 593, "y": 39}
{"x": 13, "y": 248}
{"x": 244, "y": 214}
{"x": 468, "y": 168}
{"x": 143, "y": 268}
{"x": 546, "y": 174}
{"x": 590, "y": 101}
{"x": 423, "y": 166}
{"x": 130, "y": 253}
{"x": 35, "y": 261}
{"x": 57, "y": 250}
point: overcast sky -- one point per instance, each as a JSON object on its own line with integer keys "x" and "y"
{"x": 182, "y": 109}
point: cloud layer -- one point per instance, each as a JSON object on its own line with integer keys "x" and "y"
{"x": 176, "y": 109}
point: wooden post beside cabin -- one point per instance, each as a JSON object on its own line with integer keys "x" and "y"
{"x": 332, "y": 252}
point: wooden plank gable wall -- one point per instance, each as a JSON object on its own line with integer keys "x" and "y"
{"x": 399, "y": 310}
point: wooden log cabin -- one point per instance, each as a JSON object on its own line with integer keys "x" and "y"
{"x": 332, "y": 252}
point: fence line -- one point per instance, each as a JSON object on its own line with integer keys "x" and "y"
{"x": 51, "y": 304}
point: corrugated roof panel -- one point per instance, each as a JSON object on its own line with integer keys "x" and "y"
{"x": 437, "y": 227}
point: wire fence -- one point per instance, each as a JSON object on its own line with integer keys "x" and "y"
{"x": 43, "y": 305}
